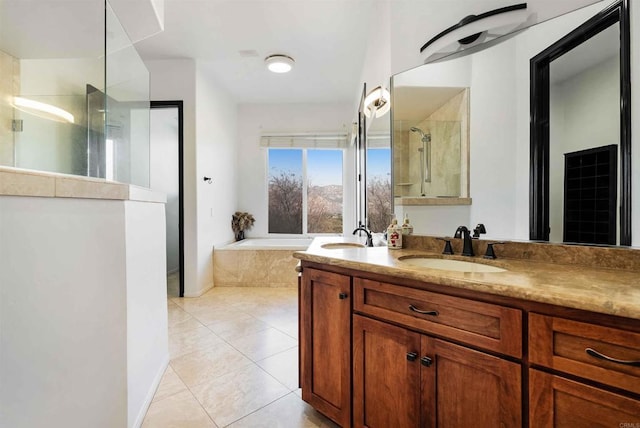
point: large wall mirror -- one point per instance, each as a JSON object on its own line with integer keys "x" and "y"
{"x": 495, "y": 156}
{"x": 581, "y": 134}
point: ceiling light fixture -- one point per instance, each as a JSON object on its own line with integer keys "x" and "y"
{"x": 279, "y": 63}
{"x": 377, "y": 102}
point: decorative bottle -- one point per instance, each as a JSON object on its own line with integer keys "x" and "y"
{"x": 394, "y": 235}
{"x": 407, "y": 228}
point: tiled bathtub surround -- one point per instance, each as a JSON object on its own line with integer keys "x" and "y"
{"x": 581, "y": 255}
{"x": 254, "y": 268}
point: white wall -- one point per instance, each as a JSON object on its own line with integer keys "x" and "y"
{"x": 63, "y": 337}
{"x": 492, "y": 141}
{"x": 216, "y": 136}
{"x": 255, "y": 119}
{"x": 376, "y": 67}
{"x": 209, "y": 150}
{"x": 584, "y": 113}
{"x": 529, "y": 44}
{"x": 175, "y": 80}
{"x": 147, "y": 338}
{"x": 83, "y": 315}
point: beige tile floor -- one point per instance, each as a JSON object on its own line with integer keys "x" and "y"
{"x": 234, "y": 362}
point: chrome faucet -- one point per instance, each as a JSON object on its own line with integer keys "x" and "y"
{"x": 361, "y": 228}
{"x": 467, "y": 246}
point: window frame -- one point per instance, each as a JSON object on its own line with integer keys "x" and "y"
{"x": 305, "y": 191}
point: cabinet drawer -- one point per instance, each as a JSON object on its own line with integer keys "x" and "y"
{"x": 485, "y": 325}
{"x": 607, "y": 355}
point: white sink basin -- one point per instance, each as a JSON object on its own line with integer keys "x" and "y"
{"x": 448, "y": 264}
{"x": 341, "y": 245}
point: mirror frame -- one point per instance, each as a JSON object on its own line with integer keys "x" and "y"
{"x": 618, "y": 12}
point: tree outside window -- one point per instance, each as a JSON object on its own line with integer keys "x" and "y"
{"x": 305, "y": 183}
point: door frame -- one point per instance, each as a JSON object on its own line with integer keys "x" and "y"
{"x": 180, "y": 106}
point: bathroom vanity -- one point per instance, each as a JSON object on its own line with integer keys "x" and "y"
{"x": 389, "y": 343}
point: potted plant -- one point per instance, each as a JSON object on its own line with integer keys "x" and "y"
{"x": 241, "y": 221}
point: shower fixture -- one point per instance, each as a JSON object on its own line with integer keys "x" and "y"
{"x": 425, "y": 158}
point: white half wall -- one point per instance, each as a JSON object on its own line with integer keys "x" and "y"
{"x": 63, "y": 320}
{"x": 83, "y": 312}
{"x": 147, "y": 338}
{"x": 255, "y": 119}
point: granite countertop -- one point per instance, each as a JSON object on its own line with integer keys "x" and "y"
{"x": 608, "y": 291}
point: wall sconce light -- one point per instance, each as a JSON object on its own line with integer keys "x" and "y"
{"x": 377, "y": 102}
{"x": 43, "y": 110}
{"x": 475, "y": 30}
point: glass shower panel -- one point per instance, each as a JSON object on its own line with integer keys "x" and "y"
{"x": 126, "y": 155}
{"x": 49, "y": 53}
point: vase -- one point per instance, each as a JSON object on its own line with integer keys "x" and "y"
{"x": 240, "y": 235}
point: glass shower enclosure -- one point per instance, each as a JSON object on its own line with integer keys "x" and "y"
{"x": 74, "y": 93}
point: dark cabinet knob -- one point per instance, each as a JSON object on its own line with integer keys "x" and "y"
{"x": 426, "y": 361}
{"x": 342, "y": 296}
{"x": 412, "y": 356}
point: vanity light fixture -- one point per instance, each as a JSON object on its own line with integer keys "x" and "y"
{"x": 475, "y": 30}
{"x": 377, "y": 102}
{"x": 279, "y": 63}
{"x": 43, "y": 110}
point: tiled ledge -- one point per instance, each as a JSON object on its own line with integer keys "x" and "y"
{"x": 408, "y": 200}
{"x": 24, "y": 182}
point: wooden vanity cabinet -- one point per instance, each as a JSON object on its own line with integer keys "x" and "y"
{"x": 403, "y": 376}
{"x": 407, "y": 379}
{"x": 325, "y": 343}
{"x": 376, "y": 354}
{"x": 593, "y": 353}
{"x": 559, "y": 402}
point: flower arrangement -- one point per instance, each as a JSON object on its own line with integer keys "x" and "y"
{"x": 241, "y": 221}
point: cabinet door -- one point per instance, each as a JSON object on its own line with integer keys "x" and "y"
{"x": 325, "y": 343}
{"x": 386, "y": 375}
{"x": 558, "y": 402}
{"x": 467, "y": 388}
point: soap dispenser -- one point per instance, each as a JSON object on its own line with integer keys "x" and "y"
{"x": 407, "y": 228}
{"x": 394, "y": 235}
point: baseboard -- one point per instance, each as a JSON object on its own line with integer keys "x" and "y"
{"x": 152, "y": 391}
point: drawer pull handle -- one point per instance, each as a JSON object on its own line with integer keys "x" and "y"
{"x": 426, "y": 361}
{"x": 412, "y": 356}
{"x": 600, "y": 356}
{"x": 420, "y": 311}
{"x": 342, "y": 296}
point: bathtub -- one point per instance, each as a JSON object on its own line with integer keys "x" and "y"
{"x": 258, "y": 262}
{"x": 297, "y": 244}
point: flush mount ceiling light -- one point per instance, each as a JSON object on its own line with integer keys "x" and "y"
{"x": 377, "y": 102}
{"x": 475, "y": 30}
{"x": 43, "y": 110}
{"x": 279, "y": 63}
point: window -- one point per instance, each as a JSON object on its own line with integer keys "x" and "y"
{"x": 379, "y": 211}
{"x": 305, "y": 191}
